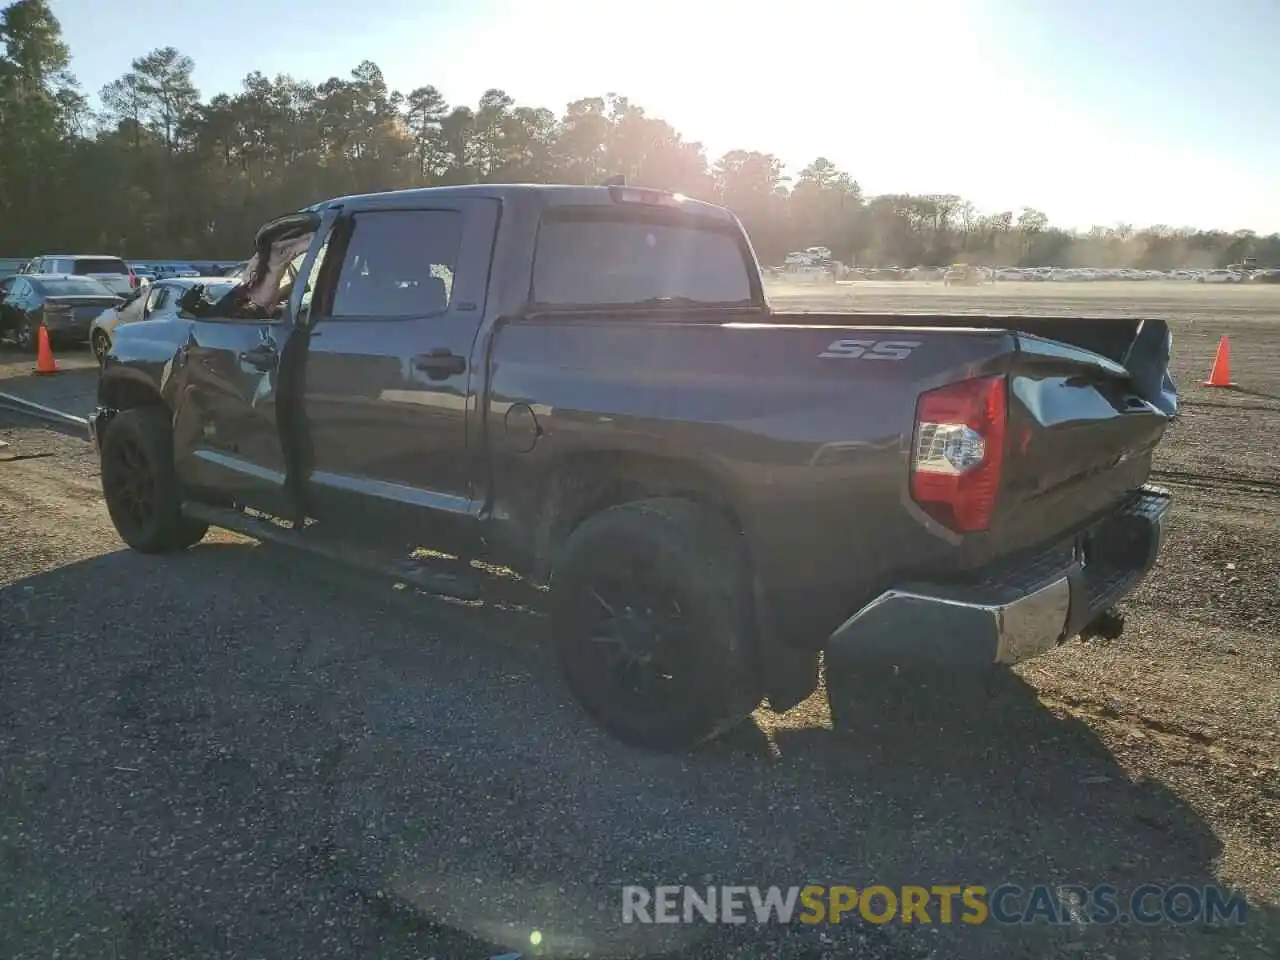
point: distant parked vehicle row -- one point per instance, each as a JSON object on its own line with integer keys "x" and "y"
{"x": 965, "y": 275}
{"x": 167, "y": 271}
{"x": 111, "y": 272}
{"x": 65, "y": 305}
{"x": 11, "y": 265}
{"x": 1221, "y": 276}
{"x": 962, "y": 274}
{"x": 145, "y": 274}
{"x": 170, "y": 269}
{"x": 83, "y": 297}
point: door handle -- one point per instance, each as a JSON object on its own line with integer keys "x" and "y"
{"x": 260, "y": 358}
{"x": 440, "y": 364}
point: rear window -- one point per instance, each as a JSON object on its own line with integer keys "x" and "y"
{"x": 585, "y": 260}
{"x": 75, "y": 287}
{"x": 100, "y": 265}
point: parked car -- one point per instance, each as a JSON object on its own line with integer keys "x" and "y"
{"x": 962, "y": 275}
{"x": 588, "y": 386}
{"x": 1220, "y": 276}
{"x": 236, "y": 271}
{"x": 927, "y": 274}
{"x": 213, "y": 268}
{"x": 112, "y": 272}
{"x": 65, "y": 305}
{"x": 154, "y": 301}
{"x": 166, "y": 271}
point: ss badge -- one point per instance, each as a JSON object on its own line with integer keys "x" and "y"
{"x": 869, "y": 349}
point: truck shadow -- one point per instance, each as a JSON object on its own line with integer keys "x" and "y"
{"x": 420, "y": 760}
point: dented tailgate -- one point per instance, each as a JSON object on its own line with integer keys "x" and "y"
{"x": 1082, "y": 432}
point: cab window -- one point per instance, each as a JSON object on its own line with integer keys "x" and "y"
{"x": 398, "y": 263}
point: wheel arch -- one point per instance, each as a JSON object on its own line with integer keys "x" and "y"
{"x": 581, "y": 485}
{"x": 123, "y": 388}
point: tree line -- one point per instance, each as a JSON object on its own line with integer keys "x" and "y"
{"x": 159, "y": 172}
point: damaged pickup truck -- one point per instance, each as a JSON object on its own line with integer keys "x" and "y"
{"x": 588, "y": 385}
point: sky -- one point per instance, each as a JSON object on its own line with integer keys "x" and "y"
{"x": 1094, "y": 111}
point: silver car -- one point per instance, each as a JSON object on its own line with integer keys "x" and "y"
{"x": 156, "y": 301}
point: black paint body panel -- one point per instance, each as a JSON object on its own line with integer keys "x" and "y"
{"x": 809, "y": 452}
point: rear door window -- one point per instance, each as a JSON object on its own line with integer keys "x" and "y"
{"x": 586, "y": 259}
{"x": 398, "y": 263}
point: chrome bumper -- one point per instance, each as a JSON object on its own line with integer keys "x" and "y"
{"x": 1018, "y": 611}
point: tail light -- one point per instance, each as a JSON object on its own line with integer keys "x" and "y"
{"x": 958, "y": 452}
{"x": 133, "y": 278}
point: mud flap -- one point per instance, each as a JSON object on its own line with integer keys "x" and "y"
{"x": 788, "y": 674}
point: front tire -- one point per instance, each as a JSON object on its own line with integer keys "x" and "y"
{"x": 100, "y": 345}
{"x": 654, "y": 623}
{"x": 26, "y": 335}
{"x": 140, "y": 485}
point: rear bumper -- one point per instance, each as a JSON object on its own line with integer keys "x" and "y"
{"x": 1018, "y": 610}
{"x": 68, "y": 327}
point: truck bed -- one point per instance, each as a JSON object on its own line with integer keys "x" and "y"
{"x": 810, "y": 436}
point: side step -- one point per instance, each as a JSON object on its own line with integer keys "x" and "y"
{"x": 448, "y": 578}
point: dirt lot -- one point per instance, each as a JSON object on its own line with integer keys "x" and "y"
{"x": 232, "y": 753}
{"x": 15, "y": 364}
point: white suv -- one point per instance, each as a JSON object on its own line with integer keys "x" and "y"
{"x": 112, "y": 272}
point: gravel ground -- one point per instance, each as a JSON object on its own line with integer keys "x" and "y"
{"x": 243, "y": 752}
{"x": 14, "y": 363}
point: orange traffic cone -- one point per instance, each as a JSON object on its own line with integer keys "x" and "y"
{"x": 1220, "y": 375}
{"x": 45, "y": 364}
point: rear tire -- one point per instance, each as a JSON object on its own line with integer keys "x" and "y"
{"x": 140, "y": 485}
{"x": 654, "y": 623}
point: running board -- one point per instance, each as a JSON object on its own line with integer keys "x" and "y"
{"x": 460, "y": 581}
